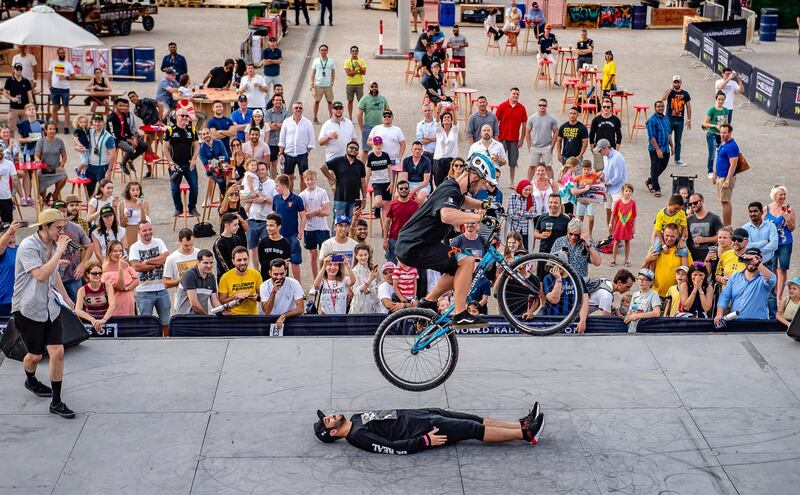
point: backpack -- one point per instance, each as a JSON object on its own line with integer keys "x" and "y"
{"x": 606, "y": 246}
{"x": 147, "y": 110}
{"x": 203, "y": 229}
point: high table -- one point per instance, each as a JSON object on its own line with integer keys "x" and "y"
{"x": 623, "y": 101}
{"x": 466, "y": 92}
{"x": 226, "y": 96}
{"x": 33, "y": 167}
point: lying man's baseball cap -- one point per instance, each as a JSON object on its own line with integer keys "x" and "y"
{"x": 322, "y": 433}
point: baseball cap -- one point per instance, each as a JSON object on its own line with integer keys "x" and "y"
{"x": 373, "y": 83}
{"x": 342, "y": 219}
{"x": 377, "y": 140}
{"x": 106, "y": 210}
{"x": 646, "y": 272}
{"x": 72, "y": 198}
{"x": 18, "y": 66}
{"x": 337, "y": 104}
{"x": 97, "y": 116}
{"x": 387, "y": 112}
{"x": 683, "y": 268}
{"x": 48, "y": 216}
{"x": 258, "y": 112}
{"x": 59, "y": 204}
{"x": 740, "y": 233}
{"x": 388, "y": 266}
{"x": 242, "y": 97}
{"x": 602, "y": 143}
{"x": 794, "y": 281}
{"x": 170, "y": 71}
{"x": 321, "y": 432}
{"x": 753, "y": 251}
{"x": 676, "y": 78}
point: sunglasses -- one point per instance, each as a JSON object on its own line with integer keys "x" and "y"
{"x": 573, "y": 234}
{"x": 542, "y": 104}
{"x": 95, "y": 274}
{"x": 236, "y": 146}
{"x": 459, "y": 165}
{"x": 699, "y": 263}
{"x": 353, "y": 148}
{"x": 606, "y": 106}
{"x": 388, "y": 116}
{"x": 403, "y": 188}
{"x": 737, "y": 239}
{"x": 183, "y": 116}
{"x": 694, "y": 203}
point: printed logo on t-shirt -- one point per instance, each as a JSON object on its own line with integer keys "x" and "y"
{"x": 156, "y": 273}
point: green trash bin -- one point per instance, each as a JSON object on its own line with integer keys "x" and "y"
{"x": 255, "y": 10}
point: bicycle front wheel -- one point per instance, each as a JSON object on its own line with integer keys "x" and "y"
{"x": 524, "y": 303}
{"x": 415, "y": 372}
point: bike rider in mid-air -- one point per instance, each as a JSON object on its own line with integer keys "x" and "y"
{"x": 420, "y": 241}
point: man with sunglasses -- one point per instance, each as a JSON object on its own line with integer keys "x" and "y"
{"x": 295, "y": 140}
{"x": 541, "y": 132}
{"x": 399, "y": 211}
{"x": 181, "y": 149}
{"x": 747, "y": 291}
{"x": 75, "y": 260}
{"x": 356, "y": 68}
{"x": 605, "y": 125}
{"x": 19, "y": 92}
{"x": 729, "y": 261}
{"x": 394, "y": 141}
{"x": 36, "y": 312}
{"x": 347, "y": 175}
{"x": 703, "y": 227}
{"x": 679, "y": 111}
{"x": 371, "y": 108}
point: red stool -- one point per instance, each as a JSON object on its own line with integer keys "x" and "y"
{"x": 82, "y": 193}
{"x": 641, "y": 111}
{"x": 491, "y": 43}
{"x": 185, "y": 214}
{"x": 543, "y": 73}
{"x": 412, "y": 68}
{"x": 569, "y": 87}
{"x": 588, "y": 108}
{"x": 570, "y": 69}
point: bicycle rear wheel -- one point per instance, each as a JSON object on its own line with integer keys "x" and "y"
{"x": 522, "y": 303}
{"x": 418, "y": 372}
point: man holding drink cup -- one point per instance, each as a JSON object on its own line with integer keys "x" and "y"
{"x": 703, "y": 227}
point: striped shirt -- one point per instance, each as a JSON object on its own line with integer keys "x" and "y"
{"x": 658, "y": 127}
{"x": 406, "y": 280}
{"x": 518, "y": 217}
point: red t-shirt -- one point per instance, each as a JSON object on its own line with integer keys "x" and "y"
{"x": 406, "y": 277}
{"x": 399, "y": 212}
{"x": 510, "y": 118}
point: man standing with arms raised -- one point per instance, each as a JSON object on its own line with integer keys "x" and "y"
{"x": 36, "y": 312}
{"x": 512, "y": 117}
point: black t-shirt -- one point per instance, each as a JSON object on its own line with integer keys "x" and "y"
{"x": 398, "y": 432}
{"x": 572, "y": 137}
{"x": 559, "y": 230}
{"x": 606, "y": 128}
{"x": 269, "y": 250}
{"x": 425, "y": 226}
{"x": 545, "y": 42}
{"x": 420, "y": 47}
{"x": 427, "y": 61}
{"x": 378, "y": 163}
{"x": 348, "y": 178}
{"x": 676, "y": 104}
{"x": 181, "y": 141}
{"x": 219, "y": 78}
{"x": 707, "y": 227}
{"x": 18, "y": 89}
{"x": 416, "y": 173}
{"x": 583, "y": 45}
{"x": 223, "y": 249}
{"x": 434, "y": 85}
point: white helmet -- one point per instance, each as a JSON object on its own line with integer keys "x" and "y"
{"x": 483, "y": 166}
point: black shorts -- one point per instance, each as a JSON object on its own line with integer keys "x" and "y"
{"x": 457, "y": 426}
{"x": 273, "y": 152}
{"x": 37, "y": 335}
{"x": 427, "y": 256}
{"x": 382, "y": 189}
{"x": 291, "y": 162}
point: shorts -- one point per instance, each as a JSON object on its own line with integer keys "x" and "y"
{"x": 434, "y": 256}
{"x": 512, "y": 150}
{"x": 291, "y": 162}
{"x": 296, "y": 257}
{"x": 584, "y": 209}
{"x": 59, "y": 97}
{"x": 256, "y": 230}
{"x": 724, "y": 194}
{"x": 313, "y": 239}
{"x": 611, "y": 198}
{"x": 457, "y": 426}
{"x": 326, "y": 91}
{"x": 382, "y": 189}
{"x": 273, "y": 152}
{"x": 354, "y": 91}
{"x": 365, "y": 132}
{"x": 458, "y": 62}
{"x": 783, "y": 256}
{"x": 541, "y": 155}
{"x": 418, "y": 56}
{"x": 418, "y": 12}
{"x": 37, "y": 335}
{"x": 426, "y": 189}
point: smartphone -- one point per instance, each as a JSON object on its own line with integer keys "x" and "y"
{"x": 23, "y": 224}
{"x": 337, "y": 258}
{"x": 357, "y": 203}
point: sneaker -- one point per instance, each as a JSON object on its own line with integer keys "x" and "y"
{"x": 62, "y": 410}
{"x": 524, "y": 422}
{"x": 466, "y": 320}
{"x": 176, "y": 213}
{"x": 680, "y": 163}
{"x": 66, "y": 131}
{"x": 148, "y": 174}
{"x": 425, "y": 304}
{"x": 39, "y": 389}
{"x": 195, "y": 213}
{"x": 534, "y": 429}
{"x": 124, "y": 168}
{"x": 710, "y": 175}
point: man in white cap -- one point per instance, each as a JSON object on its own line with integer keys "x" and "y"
{"x": 36, "y": 312}
{"x": 679, "y": 111}
{"x": 615, "y": 173}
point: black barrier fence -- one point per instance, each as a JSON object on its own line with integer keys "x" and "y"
{"x": 118, "y": 326}
{"x": 708, "y": 54}
{"x": 726, "y": 33}
{"x": 789, "y": 104}
{"x": 766, "y": 91}
{"x": 722, "y": 59}
{"x": 694, "y": 40}
{"x": 745, "y": 71}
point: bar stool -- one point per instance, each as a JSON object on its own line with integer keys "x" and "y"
{"x": 570, "y": 65}
{"x": 543, "y": 73}
{"x": 511, "y": 41}
{"x": 641, "y": 111}
{"x": 569, "y": 87}
{"x": 82, "y": 193}
{"x": 491, "y": 43}
{"x": 581, "y": 93}
{"x": 588, "y": 108}
{"x": 185, "y": 214}
{"x": 528, "y": 25}
{"x": 412, "y": 71}
{"x": 560, "y": 67}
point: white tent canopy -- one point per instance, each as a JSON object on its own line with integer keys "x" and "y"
{"x": 43, "y": 26}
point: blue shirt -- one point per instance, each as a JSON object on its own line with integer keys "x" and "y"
{"x": 568, "y": 296}
{"x": 178, "y": 64}
{"x": 416, "y": 173}
{"x": 26, "y": 128}
{"x": 658, "y": 127}
{"x": 208, "y": 153}
{"x": 7, "y": 260}
{"x": 221, "y": 124}
{"x": 727, "y": 150}
{"x": 272, "y": 70}
{"x": 763, "y": 237}
{"x": 288, "y": 209}
{"x": 749, "y": 298}
{"x": 164, "y": 96}
{"x": 240, "y": 119}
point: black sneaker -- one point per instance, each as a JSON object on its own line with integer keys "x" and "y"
{"x": 425, "y": 304}
{"x": 534, "y": 429}
{"x": 124, "y": 168}
{"x": 62, "y": 410}
{"x": 148, "y": 175}
{"x": 66, "y": 131}
{"x": 39, "y": 388}
{"x": 524, "y": 422}
{"x": 195, "y": 213}
{"x": 466, "y": 320}
{"x": 176, "y": 214}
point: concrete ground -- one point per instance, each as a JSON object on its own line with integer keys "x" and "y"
{"x": 677, "y": 414}
{"x": 646, "y": 61}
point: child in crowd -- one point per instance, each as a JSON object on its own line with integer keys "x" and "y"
{"x": 332, "y": 285}
{"x": 83, "y": 145}
{"x": 645, "y": 303}
{"x": 365, "y": 290}
{"x": 444, "y": 303}
{"x": 683, "y": 192}
{"x": 404, "y": 280}
{"x": 624, "y": 305}
{"x": 673, "y": 213}
{"x": 673, "y": 299}
{"x": 566, "y": 183}
{"x": 789, "y": 304}
{"x": 318, "y": 207}
{"x": 583, "y": 185}
{"x": 474, "y": 308}
{"x": 623, "y": 223}
{"x": 250, "y": 182}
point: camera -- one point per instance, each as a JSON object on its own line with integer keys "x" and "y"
{"x": 175, "y": 172}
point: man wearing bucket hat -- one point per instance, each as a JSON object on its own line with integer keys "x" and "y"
{"x": 407, "y": 431}
{"x": 39, "y": 324}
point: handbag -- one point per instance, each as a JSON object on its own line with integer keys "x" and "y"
{"x": 203, "y": 229}
{"x": 741, "y": 164}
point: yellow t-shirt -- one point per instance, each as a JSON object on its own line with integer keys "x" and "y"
{"x": 357, "y": 79}
{"x": 674, "y": 294}
{"x": 609, "y": 69}
{"x": 663, "y": 219}
{"x": 664, "y": 271}
{"x": 729, "y": 264}
{"x": 232, "y": 282}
